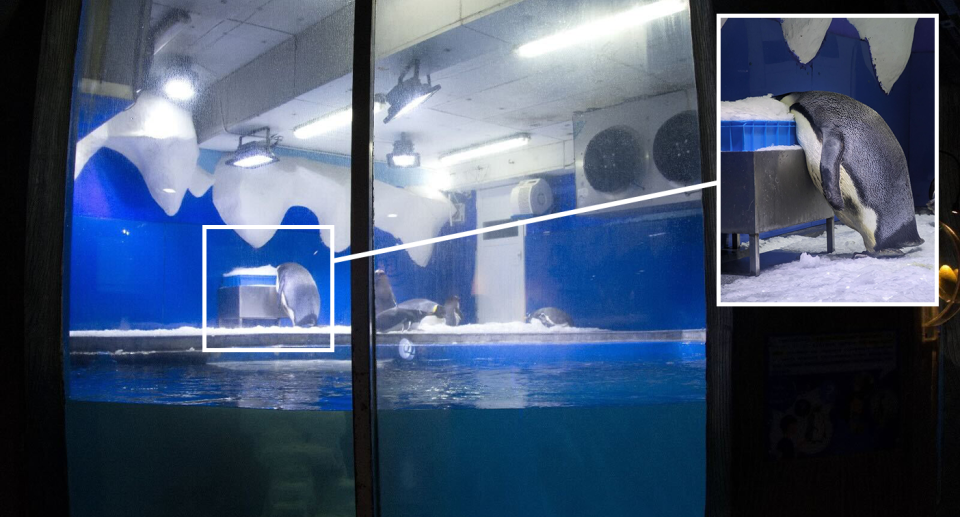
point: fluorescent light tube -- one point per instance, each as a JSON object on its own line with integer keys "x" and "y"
{"x": 330, "y": 122}
{"x": 602, "y": 28}
{"x": 404, "y": 160}
{"x": 497, "y": 146}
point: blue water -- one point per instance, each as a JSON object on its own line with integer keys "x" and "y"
{"x": 439, "y": 377}
{"x": 562, "y": 433}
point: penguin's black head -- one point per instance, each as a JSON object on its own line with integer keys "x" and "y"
{"x": 782, "y": 95}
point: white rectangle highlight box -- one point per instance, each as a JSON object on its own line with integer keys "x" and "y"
{"x": 278, "y": 349}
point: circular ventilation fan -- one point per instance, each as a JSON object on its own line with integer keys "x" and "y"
{"x": 676, "y": 148}
{"x": 612, "y": 161}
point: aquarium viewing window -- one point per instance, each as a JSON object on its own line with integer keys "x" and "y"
{"x": 343, "y": 281}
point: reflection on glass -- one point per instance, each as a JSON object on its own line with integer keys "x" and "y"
{"x": 185, "y": 116}
{"x": 557, "y": 367}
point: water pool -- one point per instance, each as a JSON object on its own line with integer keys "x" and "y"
{"x": 507, "y": 430}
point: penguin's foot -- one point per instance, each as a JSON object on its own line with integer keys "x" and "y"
{"x": 887, "y": 253}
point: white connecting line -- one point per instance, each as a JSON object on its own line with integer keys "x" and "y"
{"x": 523, "y": 222}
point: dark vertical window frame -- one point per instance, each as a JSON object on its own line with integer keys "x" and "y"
{"x": 362, "y": 331}
{"x": 45, "y": 436}
{"x": 718, "y": 339}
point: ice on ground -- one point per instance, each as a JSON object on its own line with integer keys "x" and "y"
{"x": 262, "y": 196}
{"x": 511, "y": 327}
{"x": 891, "y": 43}
{"x": 514, "y": 327}
{"x": 838, "y": 277}
{"x": 254, "y": 271}
{"x": 158, "y": 137}
{"x": 805, "y": 36}
{"x": 211, "y": 331}
{"x": 755, "y": 108}
{"x": 780, "y": 148}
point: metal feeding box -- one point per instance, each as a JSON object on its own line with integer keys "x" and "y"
{"x": 763, "y": 191}
{"x": 248, "y": 299}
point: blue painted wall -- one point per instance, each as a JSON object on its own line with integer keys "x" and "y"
{"x": 132, "y": 266}
{"x": 755, "y": 60}
{"x": 630, "y": 270}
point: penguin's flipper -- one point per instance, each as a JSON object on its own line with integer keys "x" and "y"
{"x": 830, "y": 160}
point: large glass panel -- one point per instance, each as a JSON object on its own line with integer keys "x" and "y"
{"x": 184, "y": 112}
{"x": 557, "y": 367}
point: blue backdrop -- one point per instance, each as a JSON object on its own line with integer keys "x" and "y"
{"x": 132, "y": 266}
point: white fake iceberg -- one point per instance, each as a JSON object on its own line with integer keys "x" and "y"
{"x": 159, "y": 138}
{"x": 805, "y": 35}
{"x": 891, "y": 42}
{"x": 262, "y": 196}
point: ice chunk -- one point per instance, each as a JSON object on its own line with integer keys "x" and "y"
{"x": 809, "y": 261}
{"x": 891, "y": 42}
{"x": 158, "y": 137}
{"x": 805, "y": 35}
{"x": 255, "y": 271}
{"x": 263, "y": 196}
{"x": 780, "y": 148}
{"x": 755, "y": 108}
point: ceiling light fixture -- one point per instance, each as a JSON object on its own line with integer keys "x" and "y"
{"x": 496, "y": 146}
{"x": 409, "y": 93}
{"x": 403, "y": 155}
{"x": 178, "y": 81}
{"x": 333, "y": 121}
{"x": 602, "y": 28}
{"x": 257, "y": 153}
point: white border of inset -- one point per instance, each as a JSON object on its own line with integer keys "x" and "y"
{"x": 936, "y": 164}
{"x": 279, "y": 349}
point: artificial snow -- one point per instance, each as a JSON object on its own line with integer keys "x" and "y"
{"x": 253, "y": 271}
{"x": 891, "y": 43}
{"x": 838, "y": 277}
{"x": 805, "y": 35}
{"x": 262, "y": 196}
{"x": 211, "y": 331}
{"x": 755, "y": 108}
{"x": 780, "y": 148}
{"x": 158, "y": 137}
{"x": 511, "y": 327}
{"x": 515, "y": 327}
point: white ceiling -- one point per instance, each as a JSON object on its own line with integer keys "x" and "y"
{"x": 487, "y": 96}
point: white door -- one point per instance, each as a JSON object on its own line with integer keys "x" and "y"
{"x": 499, "y": 284}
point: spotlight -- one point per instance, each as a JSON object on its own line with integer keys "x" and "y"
{"x": 409, "y": 93}
{"x": 496, "y": 146}
{"x": 255, "y": 154}
{"x": 403, "y": 154}
{"x": 335, "y": 120}
{"x": 604, "y": 27}
{"x": 179, "y": 81}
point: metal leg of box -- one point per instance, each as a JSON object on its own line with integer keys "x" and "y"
{"x": 830, "y": 235}
{"x": 754, "y": 254}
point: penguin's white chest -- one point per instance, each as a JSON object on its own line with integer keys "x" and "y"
{"x": 857, "y": 216}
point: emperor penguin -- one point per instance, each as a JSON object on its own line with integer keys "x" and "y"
{"x": 855, "y": 160}
{"x": 383, "y": 298}
{"x": 451, "y": 311}
{"x": 298, "y": 293}
{"x": 551, "y": 317}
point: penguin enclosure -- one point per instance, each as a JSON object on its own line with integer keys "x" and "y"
{"x": 828, "y": 198}
{"x": 528, "y": 361}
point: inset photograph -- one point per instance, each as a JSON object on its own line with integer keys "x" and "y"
{"x": 827, "y": 162}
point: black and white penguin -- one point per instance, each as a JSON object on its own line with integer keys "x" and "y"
{"x": 298, "y": 294}
{"x": 451, "y": 311}
{"x": 383, "y": 298}
{"x": 551, "y": 317}
{"x": 857, "y": 163}
{"x": 406, "y": 315}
